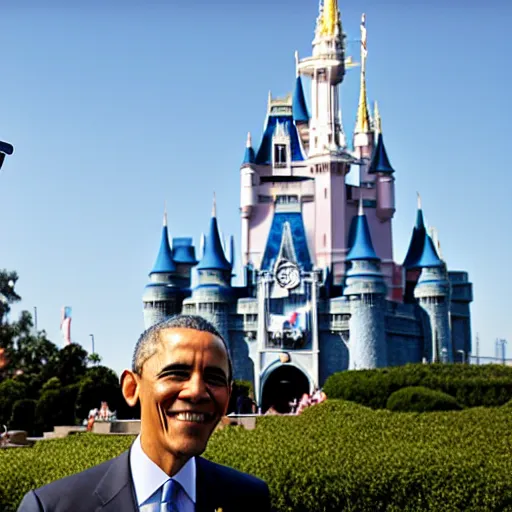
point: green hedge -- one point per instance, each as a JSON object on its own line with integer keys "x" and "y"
{"x": 421, "y": 399}
{"x": 335, "y": 456}
{"x": 470, "y": 385}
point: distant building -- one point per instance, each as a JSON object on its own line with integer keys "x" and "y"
{"x": 322, "y": 290}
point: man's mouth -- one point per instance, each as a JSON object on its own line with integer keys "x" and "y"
{"x": 192, "y": 417}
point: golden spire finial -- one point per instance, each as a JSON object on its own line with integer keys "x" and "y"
{"x": 214, "y": 207}
{"x": 330, "y": 18}
{"x": 363, "y": 117}
{"x": 377, "y": 119}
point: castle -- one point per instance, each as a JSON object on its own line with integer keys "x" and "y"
{"x": 322, "y": 291}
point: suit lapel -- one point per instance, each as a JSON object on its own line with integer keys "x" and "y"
{"x": 208, "y": 487}
{"x": 115, "y": 490}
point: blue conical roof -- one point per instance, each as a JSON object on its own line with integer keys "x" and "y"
{"x": 299, "y": 108}
{"x": 249, "y": 156}
{"x": 213, "y": 255}
{"x": 380, "y": 161}
{"x": 362, "y": 248}
{"x": 417, "y": 242}
{"x": 164, "y": 262}
{"x": 429, "y": 257}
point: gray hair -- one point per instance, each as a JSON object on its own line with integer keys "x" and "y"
{"x": 149, "y": 340}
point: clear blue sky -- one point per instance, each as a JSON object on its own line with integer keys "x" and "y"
{"x": 114, "y": 111}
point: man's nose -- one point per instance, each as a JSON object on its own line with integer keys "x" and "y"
{"x": 196, "y": 389}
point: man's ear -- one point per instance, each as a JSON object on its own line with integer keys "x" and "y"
{"x": 130, "y": 387}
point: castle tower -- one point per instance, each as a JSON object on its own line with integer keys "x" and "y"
{"x": 433, "y": 294}
{"x": 213, "y": 294}
{"x": 328, "y": 163}
{"x": 162, "y": 294}
{"x": 5, "y": 149}
{"x": 299, "y": 108}
{"x": 366, "y": 289}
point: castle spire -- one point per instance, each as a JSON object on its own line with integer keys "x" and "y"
{"x": 377, "y": 119}
{"x": 329, "y": 18}
{"x": 165, "y": 213}
{"x": 213, "y": 257}
{"x": 417, "y": 243}
{"x": 249, "y": 156}
{"x": 362, "y": 248}
{"x": 363, "y": 116}
{"x": 164, "y": 261}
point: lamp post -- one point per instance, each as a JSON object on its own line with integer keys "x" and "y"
{"x": 463, "y": 354}
{"x": 92, "y": 342}
{"x": 5, "y": 149}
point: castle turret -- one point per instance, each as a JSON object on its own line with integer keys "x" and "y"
{"x": 248, "y": 195}
{"x": 184, "y": 257}
{"x": 162, "y": 295}
{"x": 366, "y": 289}
{"x": 381, "y": 168}
{"x": 433, "y": 294}
{"x": 5, "y": 149}
{"x": 213, "y": 294}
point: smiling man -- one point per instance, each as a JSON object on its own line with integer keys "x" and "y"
{"x": 181, "y": 375}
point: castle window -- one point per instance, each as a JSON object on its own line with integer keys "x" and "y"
{"x": 280, "y": 155}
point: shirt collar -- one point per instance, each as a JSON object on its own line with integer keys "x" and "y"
{"x": 148, "y": 477}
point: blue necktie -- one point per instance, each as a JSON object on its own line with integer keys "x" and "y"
{"x": 169, "y": 501}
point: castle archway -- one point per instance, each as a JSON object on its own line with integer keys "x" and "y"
{"x": 282, "y": 386}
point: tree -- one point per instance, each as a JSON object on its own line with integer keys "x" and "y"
{"x": 94, "y": 359}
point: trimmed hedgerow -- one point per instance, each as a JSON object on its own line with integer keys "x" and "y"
{"x": 421, "y": 399}
{"x": 470, "y": 385}
{"x": 335, "y": 456}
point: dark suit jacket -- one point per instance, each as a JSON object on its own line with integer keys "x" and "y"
{"x": 109, "y": 488}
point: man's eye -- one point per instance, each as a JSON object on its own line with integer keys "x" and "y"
{"x": 216, "y": 380}
{"x": 177, "y": 374}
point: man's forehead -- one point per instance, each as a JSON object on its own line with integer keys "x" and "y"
{"x": 182, "y": 343}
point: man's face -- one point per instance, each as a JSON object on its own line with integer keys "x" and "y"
{"x": 184, "y": 391}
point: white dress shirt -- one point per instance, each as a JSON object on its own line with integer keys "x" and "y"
{"x": 148, "y": 479}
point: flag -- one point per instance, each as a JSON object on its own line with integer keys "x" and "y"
{"x": 364, "y": 51}
{"x": 65, "y": 324}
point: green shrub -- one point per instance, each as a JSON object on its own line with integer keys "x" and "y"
{"x": 470, "y": 385}
{"x": 335, "y": 456}
{"x": 51, "y": 384}
{"x": 10, "y": 392}
{"x": 421, "y": 399}
{"x": 56, "y": 407}
{"x": 23, "y": 415}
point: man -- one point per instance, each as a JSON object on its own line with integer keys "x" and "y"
{"x": 181, "y": 374}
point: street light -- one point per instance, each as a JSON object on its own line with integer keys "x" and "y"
{"x": 5, "y": 149}
{"x": 463, "y": 355}
{"x": 92, "y": 341}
